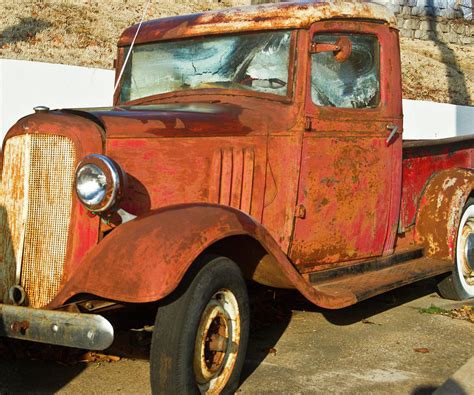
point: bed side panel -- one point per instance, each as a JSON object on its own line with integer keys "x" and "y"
{"x": 421, "y": 159}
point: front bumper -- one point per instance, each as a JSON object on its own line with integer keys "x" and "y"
{"x": 88, "y": 331}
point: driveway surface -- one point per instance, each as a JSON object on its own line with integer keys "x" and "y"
{"x": 383, "y": 345}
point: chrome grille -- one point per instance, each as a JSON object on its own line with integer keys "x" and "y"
{"x": 47, "y": 175}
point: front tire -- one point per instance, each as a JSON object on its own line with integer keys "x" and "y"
{"x": 201, "y": 332}
{"x": 459, "y": 285}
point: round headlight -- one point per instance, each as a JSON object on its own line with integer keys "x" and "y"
{"x": 99, "y": 182}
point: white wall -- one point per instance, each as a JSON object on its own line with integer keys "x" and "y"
{"x": 428, "y": 120}
{"x": 24, "y": 85}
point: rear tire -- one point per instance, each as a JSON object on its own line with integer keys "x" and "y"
{"x": 459, "y": 285}
{"x": 201, "y": 332}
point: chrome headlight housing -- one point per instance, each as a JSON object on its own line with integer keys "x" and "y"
{"x": 99, "y": 182}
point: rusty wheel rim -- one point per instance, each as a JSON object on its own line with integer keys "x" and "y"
{"x": 217, "y": 342}
{"x": 465, "y": 251}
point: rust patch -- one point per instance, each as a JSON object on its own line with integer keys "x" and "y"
{"x": 344, "y": 186}
{"x": 13, "y": 202}
{"x": 440, "y": 211}
{"x": 50, "y": 185}
{"x": 261, "y": 17}
{"x": 20, "y": 327}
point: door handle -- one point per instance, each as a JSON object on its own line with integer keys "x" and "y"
{"x": 394, "y": 130}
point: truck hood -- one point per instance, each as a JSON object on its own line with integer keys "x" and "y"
{"x": 174, "y": 120}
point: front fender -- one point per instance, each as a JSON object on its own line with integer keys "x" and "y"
{"x": 440, "y": 210}
{"x": 145, "y": 259}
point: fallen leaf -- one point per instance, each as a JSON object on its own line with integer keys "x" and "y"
{"x": 422, "y": 350}
{"x": 91, "y": 356}
{"x": 464, "y": 313}
{"x": 272, "y": 351}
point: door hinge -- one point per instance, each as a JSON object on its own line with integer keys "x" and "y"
{"x": 308, "y": 124}
{"x": 300, "y": 211}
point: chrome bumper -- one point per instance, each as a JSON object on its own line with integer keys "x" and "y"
{"x": 88, "y": 331}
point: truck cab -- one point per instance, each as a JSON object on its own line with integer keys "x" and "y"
{"x": 260, "y": 144}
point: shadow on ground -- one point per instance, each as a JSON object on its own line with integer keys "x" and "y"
{"x": 272, "y": 312}
{"x": 50, "y": 368}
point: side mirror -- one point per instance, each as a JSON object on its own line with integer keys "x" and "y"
{"x": 341, "y": 49}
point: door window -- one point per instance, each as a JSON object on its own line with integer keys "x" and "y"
{"x": 353, "y": 82}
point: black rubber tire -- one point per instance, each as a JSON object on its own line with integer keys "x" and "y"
{"x": 177, "y": 322}
{"x": 450, "y": 286}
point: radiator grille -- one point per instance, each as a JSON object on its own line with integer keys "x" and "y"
{"x": 48, "y": 183}
{"x": 13, "y": 191}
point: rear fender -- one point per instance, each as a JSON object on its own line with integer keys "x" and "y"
{"x": 440, "y": 210}
{"x": 145, "y": 259}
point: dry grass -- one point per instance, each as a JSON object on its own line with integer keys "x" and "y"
{"x": 80, "y": 33}
{"x": 85, "y": 32}
{"x": 438, "y": 72}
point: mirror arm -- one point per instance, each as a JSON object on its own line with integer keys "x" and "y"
{"x": 324, "y": 47}
{"x": 341, "y": 49}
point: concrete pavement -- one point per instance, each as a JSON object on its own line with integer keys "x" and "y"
{"x": 384, "y": 345}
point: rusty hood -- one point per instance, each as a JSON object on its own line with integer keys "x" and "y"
{"x": 174, "y": 120}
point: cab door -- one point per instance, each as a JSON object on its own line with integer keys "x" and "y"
{"x": 350, "y": 178}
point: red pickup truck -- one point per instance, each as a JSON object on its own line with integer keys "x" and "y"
{"x": 252, "y": 144}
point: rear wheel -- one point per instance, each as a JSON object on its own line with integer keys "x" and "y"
{"x": 201, "y": 333}
{"x": 460, "y": 284}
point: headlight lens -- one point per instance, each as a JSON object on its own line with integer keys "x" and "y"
{"x": 91, "y": 184}
{"x": 99, "y": 182}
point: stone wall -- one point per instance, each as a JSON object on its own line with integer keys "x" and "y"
{"x": 448, "y": 21}
{"x": 427, "y": 23}
{"x": 436, "y": 28}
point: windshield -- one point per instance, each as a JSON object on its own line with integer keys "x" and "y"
{"x": 257, "y": 62}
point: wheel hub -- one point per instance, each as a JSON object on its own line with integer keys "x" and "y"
{"x": 217, "y": 342}
{"x": 468, "y": 249}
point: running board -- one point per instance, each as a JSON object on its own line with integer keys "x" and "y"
{"x": 370, "y": 265}
{"x": 367, "y": 284}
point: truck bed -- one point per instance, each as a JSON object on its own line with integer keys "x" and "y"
{"x": 422, "y": 158}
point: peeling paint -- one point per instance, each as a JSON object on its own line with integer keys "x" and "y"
{"x": 440, "y": 209}
{"x": 292, "y": 15}
{"x": 449, "y": 182}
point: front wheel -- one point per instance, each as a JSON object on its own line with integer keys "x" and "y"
{"x": 201, "y": 332}
{"x": 460, "y": 284}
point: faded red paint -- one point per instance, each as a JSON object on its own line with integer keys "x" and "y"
{"x": 164, "y": 244}
{"x": 318, "y": 187}
{"x": 348, "y": 173}
{"x": 421, "y": 160}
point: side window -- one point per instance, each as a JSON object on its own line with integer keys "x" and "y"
{"x": 350, "y": 83}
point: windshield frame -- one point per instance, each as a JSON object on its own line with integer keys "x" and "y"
{"x": 288, "y": 98}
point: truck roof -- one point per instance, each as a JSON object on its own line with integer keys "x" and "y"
{"x": 288, "y": 15}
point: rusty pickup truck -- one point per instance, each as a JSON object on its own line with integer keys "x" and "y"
{"x": 262, "y": 144}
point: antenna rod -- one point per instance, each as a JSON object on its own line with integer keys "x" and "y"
{"x": 117, "y": 83}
